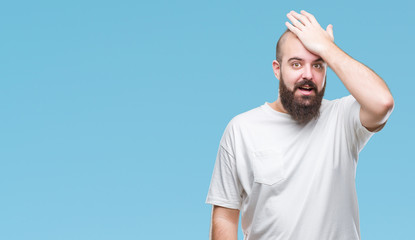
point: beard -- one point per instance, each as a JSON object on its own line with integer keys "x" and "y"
{"x": 303, "y": 108}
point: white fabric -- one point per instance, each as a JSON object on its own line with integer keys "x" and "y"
{"x": 292, "y": 182}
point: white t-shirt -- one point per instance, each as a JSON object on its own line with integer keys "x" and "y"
{"x": 291, "y": 181}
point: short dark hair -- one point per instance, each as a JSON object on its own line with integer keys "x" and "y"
{"x": 278, "y": 51}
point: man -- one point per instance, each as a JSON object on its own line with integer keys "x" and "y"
{"x": 289, "y": 166}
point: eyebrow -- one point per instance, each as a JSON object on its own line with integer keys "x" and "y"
{"x": 300, "y": 59}
{"x": 295, "y": 58}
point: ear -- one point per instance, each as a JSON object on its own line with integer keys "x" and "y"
{"x": 277, "y": 69}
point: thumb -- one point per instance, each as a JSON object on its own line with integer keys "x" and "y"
{"x": 329, "y": 30}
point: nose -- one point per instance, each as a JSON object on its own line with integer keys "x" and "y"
{"x": 307, "y": 73}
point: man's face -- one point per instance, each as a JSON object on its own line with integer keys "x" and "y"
{"x": 302, "y": 78}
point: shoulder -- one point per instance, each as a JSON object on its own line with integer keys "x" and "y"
{"x": 248, "y": 117}
{"x": 339, "y": 104}
{"x": 241, "y": 122}
{"x": 344, "y": 99}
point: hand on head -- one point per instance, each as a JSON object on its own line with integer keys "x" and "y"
{"x": 305, "y": 26}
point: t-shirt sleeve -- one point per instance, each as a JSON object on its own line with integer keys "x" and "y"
{"x": 225, "y": 189}
{"x": 357, "y": 133}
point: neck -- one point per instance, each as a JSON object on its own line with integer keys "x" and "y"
{"x": 277, "y": 106}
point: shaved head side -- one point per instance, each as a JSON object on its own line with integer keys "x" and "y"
{"x": 280, "y": 43}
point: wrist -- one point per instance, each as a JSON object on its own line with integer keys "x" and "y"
{"x": 329, "y": 50}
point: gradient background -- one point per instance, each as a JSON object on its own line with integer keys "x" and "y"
{"x": 112, "y": 111}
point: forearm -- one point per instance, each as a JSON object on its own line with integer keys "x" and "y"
{"x": 364, "y": 84}
{"x": 224, "y": 224}
{"x": 222, "y": 229}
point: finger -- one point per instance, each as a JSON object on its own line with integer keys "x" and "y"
{"x": 304, "y": 20}
{"x": 329, "y": 30}
{"x": 309, "y": 16}
{"x": 295, "y": 22}
{"x": 293, "y": 29}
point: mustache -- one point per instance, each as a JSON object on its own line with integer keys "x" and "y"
{"x": 305, "y": 82}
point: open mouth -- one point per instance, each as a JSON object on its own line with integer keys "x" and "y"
{"x": 306, "y": 89}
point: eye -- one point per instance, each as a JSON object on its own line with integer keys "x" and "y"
{"x": 318, "y": 65}
{"x": 296, "y": 64}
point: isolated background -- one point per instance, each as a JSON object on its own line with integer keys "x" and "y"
{"x": 112, "y": 111}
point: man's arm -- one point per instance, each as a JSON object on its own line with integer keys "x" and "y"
{"x": 365, "y": 85}
{"x": 224, "y": 224}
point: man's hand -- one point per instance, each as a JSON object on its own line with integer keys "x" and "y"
{"x": 311, "y": 34}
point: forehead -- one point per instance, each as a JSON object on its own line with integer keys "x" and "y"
{"x": 293, "y": 48}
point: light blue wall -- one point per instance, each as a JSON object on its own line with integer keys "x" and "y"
{"x": 112, "y": 111}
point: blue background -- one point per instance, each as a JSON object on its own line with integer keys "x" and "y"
{"x": 112, "y": 111}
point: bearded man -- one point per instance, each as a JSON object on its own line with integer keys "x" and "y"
{"x": 289, "y": 166}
